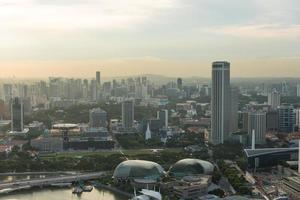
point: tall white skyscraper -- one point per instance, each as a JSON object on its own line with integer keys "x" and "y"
{"x": 274, "y": 99}
{"x": 220, "y": 102}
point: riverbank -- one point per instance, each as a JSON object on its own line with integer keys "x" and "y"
{"x": 62, "y": 194}
{"x": 114, "y": 190}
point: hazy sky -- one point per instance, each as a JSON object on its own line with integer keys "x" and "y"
{"x": 39, "y": 38}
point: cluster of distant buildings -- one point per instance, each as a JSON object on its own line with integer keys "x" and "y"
{"x": 230, "y": 123}
{"x": 64, "y": 136}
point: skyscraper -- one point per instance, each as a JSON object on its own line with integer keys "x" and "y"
{"x": 298, "y": 90}
{"x": 179, "y": 83}
{"x": 128, "y": 114}
{"x": 98, "y": 85}
{"x": 274, "y": 99}
{"x": 220, "y": 102}
{"x": 257, "y": 122}
{"x": 286, "y": 118}
{"x": 272, "y": 121}
{"x": 17, "y": 115}
{"x": 98, "y": 78}
{"x": 297, "y": 116}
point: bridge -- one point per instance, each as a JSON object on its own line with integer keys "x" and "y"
{"x": 21, "y": 184}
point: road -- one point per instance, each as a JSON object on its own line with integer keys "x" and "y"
{"x": 48, "y": 181}
{"x": 38, "y": 173}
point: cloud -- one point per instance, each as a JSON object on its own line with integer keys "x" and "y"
{"x": 258, "y": 31}
{"x": 70, "y": 15}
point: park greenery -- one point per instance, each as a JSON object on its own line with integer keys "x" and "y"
{"x": 230, "y": 151}
{"x": 21, "y": 161}
{"x": 137, "y": 141}
{"x": 237, "y": 180}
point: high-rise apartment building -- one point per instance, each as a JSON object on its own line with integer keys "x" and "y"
{"x": 179, "y": 83}
{"x": 163, "y": 116}
{"x": 257, "y": 123}
{"x": 274, "y": 99}
{"x": 272, "y": 121}
{"x": 98, "y": 78}
{"x": 98, "y": 118}
{"x": 298, "y": 90}
{"x": 128, "y": 114}
{"x": 17, "y": 115}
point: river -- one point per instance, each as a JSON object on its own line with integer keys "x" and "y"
{"x": 62, "y": 194}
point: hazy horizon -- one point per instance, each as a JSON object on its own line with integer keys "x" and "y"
{"x": 176, "y": 38}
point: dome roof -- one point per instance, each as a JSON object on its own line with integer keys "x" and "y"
{"x": 138, "y": 169}
{"x": 190, "y": 167}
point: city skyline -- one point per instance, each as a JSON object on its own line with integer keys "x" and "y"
{"x": 50, "y": 38}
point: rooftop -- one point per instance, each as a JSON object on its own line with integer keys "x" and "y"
{"x": 265, "y": 151}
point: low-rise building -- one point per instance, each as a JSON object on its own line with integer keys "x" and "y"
{"x": 291, "y": 185}
{"x": 191, "y": 187}
{"x": 48, "y": 144}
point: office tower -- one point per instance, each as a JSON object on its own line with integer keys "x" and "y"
{"x": 128, "y": 114}
{"x": 299, "y": 157}
{"x": 8, "y": 92}
{"x": 284, "y": 88}
{"x": 98, "y": 78}
{"x": 98, "y": 85}
{"x": 107, "y": 87}
{"x": 17, "y": 115}
{"x": 257, "y": 122}
{"x": 93, "y": 90}
{"x": 272, "y": 121}
{"x": 144, "y": 80}
{"x": 163, "y": 116}
{"x": 220, "y": 102}
{"x": 179, "y": 83}
{"x": 140, "y": 91}
{"x": 274, "y": 99}
{"x": 298, "y": 90}
{"x": 98, "y": 118}
{"x": 204, "y": 91}
{"x": 85, "y": 89}
{"x": 234, "y": 108}
{"x": 286, "y": 118}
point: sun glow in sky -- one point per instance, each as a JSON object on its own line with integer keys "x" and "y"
{"x": 39, "y": 38}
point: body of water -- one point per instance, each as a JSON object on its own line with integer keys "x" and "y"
{"x": 62, "y": 194}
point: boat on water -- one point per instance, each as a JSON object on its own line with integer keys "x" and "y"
{"x": 6, "y": 191}
{"x": 61, "y": 185}
{"x": 77, "y": 190}
{"x": 87, "y": 188}
{"x": 10, "y": 190}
